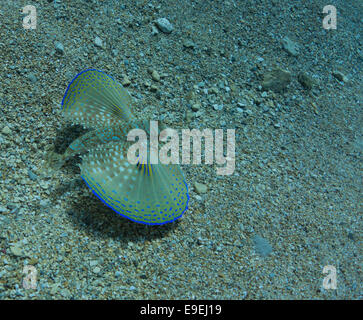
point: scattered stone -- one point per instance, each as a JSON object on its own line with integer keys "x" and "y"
{"x": 93, "y": 263}
{"x": 155, "y": 75}
{"x": 189, "y": 116}
{"x": 65, "y": 293}
{"x": 277, "y": 125}
{"x": 213, "y": 90}
{"x": 276, "y": 80}
{"x": 340, "y": 76}
{"x": 3, "y": 210}
{"x": 188, "y": 44}
{"x": 98, "y": 42}
{"x": 59, "y": 48}
{"x": 54, "y": 288}
{"x": 262, "y": 246}
{"x": 196, "y": 107}
{"x": 16, "y": 250}
{"x": 97, "y": 270}
{"x": 242, "y": 104}
{"x": 44, "y": 203}
{"x": 164, "y": 25}
{"x": 32, "y": 77}
{"x": 218, "y": 107}
{"x": 305, "y": 81}
{"x": 290, "y": 46}
{"x": 6, "y": 130}
{"x": 200, "y": 187}
{"x": 126, "y": 81}
{"x": 154, "y": 30}
{"x": 32, "y": 176}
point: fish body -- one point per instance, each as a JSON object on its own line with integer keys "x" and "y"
{"x": 143, "y": 192}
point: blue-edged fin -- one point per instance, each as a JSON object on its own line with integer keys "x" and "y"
{"x": 145, "y": 193}
{"x": 95, "y": 100}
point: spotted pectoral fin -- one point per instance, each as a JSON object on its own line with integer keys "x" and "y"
{"x": 145, "y": 193}
{"x": 95, "y": 100}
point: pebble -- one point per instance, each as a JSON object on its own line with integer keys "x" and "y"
{"x": 59, "y": 48}
{"x": 200, "y": 187}
{"x": 97, "y": 270}
{"x": 196, "y": 107}
{"x": 262, "y": 246}
{"x": 93, "y": 263}
{"x": 290, "y": 46}
{"x": 340, "y": 76}
{"x": 98, "y": 42}
{"x": 154, "y": 30}
{"x": 32, "y": 176}
{"x": 305, "y": 81}
{"x": 32, "y": 78}
{"x": 276, "y": 80}
{"x": 16, "y": 251}
{"x": 188, "y": 44}
{"x": 155, "y": 75}
{"x": 6, "y": 130}
{"x": 126, "y": 81}
{"x": 54, "y": 288}
{"x": 218, "y": 107}
{"x": 164, "y": 25}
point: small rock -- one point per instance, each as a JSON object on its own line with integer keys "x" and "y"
{"x": 65, "y": 293}
{"x": 263, "y": 248}
{"x": 277, "y": 125}
{"x": 98, "y": 42}
{"x": 154, "y": 30}
{"x": 340, "y": 76}
{"x": 196, "y": 107}
{"x": 59, "y": 48}
{"x": 93, "y": 263}
{"x": 155, "y": 75}
{"x": 188, "y": 44}
{"x": 32, "y": 176}
{"x": 218, "y": 107}
{"x": 305, "y": 81}
{"x": 290, "y": 46}
{"x": 16, "y": 251}
{"x": 6, "y": 130}
{"x": 54, "y": 288}
{"x": 276, "y": 80}
{"x": 189, "y": 116}
{"x": 32, "y": 78}
{"x": 164, "y": 25}
{"x": 97, "y": 270}
{"x": 200, "y": 187}
{"x": 126, "y": 81}
{"x": 3, "y": 210}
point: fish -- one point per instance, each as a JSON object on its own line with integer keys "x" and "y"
{"x": 147, "y": 193}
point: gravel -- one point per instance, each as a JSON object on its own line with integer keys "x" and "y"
{"x": 293, "y": 204}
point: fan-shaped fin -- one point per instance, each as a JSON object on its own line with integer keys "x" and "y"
{"x": 145, "y": 193}
{"x": 95, "y": 99}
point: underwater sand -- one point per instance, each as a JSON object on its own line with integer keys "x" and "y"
{"x": 293, "y": 204}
